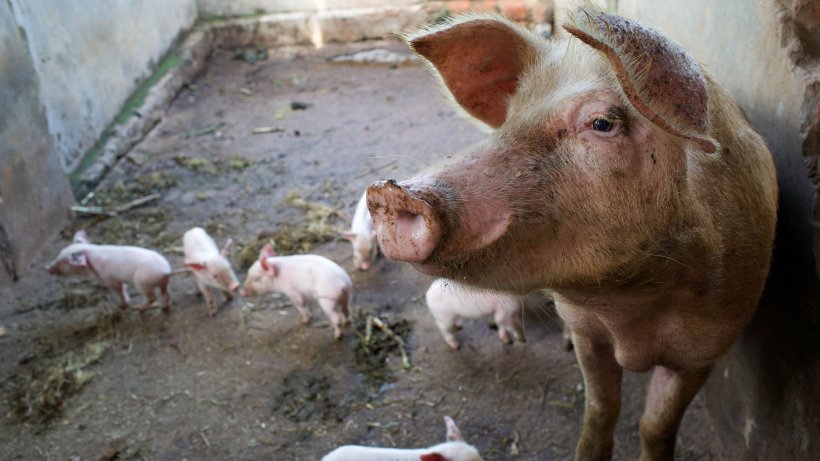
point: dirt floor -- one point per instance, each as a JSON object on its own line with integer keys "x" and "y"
{"x": 83, "y": 380}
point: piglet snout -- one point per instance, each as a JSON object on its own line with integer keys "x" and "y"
{"x": 407, "y": 226}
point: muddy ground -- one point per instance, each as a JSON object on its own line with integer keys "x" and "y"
{"x": 84, "y": 380}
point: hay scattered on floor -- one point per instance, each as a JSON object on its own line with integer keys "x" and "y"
{"x": 306, "y": 396}
{"x": 375, "y": 346}
{"x": 41, "y": 395}
{"x": 320, "y": 223}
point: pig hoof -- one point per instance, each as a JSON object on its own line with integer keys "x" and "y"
{"x": 454, "y": 346}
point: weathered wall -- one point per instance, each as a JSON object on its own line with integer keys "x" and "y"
{"x": 89, "y": 56}
{"x": 34, "y": 194}
{"x": 763, "y": 397}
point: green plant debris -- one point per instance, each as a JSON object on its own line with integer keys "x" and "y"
{"x": 237, "y": 162}
{"x": 196, "y": 164}
{"x": 204, "y": 131}
{"x": 307, "y": 396}
{"x": 375, "y": 345}
{"x": 41, "y": 395}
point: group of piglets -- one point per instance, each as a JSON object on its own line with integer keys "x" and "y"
{"x": 449, "y": 302}
{"x": 300, "y": 277}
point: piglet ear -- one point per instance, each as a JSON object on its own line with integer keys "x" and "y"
{"x": 78, "y": 259}
{"x": 480, "y": 59}
{"x": 433, "y": 457}
{"x": 267, "y": 251}
{"x": 80, "y": 236}
{"x": 453, "y": 433}
{"x": 658, "y": 77}
{"x": 227, "y": 247}
{"x": 197, "y": 267}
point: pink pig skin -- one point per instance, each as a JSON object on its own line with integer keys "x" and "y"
{"x": 114, "y": 266}
{"x": 210, "y": 266}
{"x": 455, "y": 449}
{"x": 362, "y": 237}
{"x": 302, "y": 278}
{"x": 449, "y": 302}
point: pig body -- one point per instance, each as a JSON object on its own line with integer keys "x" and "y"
{"x": 620, "y": 176}
{"x": 302, "y": 278}
{"x": 449, "y": 302}
{"x": 209, "y": 265}
{"x": 362, "y": 237}
{"x": 455, "y": 449}
{"x": 115, "y": 266}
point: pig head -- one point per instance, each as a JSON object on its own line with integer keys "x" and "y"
{"x": 618, "y": 174}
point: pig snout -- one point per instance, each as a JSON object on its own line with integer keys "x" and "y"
{"x": 234, "y": 286}
{"x": 428, "y": 222}
{"x": 408, "y": 227}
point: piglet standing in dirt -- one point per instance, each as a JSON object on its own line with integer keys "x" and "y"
{"x": 361, "y": 235}
{"x": 210, "y": 265}
{"x": 455, "y": 449}
{"x": 449, "y": 302}
{"x": 302, "y": 278}
{"x": 115, "y": 266}
{"x": 619, "y": 175}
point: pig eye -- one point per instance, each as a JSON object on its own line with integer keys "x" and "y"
{"x": 602, "y": 124}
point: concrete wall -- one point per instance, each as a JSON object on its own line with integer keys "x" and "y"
{"x": 89, "y": 56}
{"x": 764, "y": 396}
{"x": 34, "y": 193}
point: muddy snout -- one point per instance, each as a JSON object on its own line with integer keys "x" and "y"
{"x": 408, "y": 227}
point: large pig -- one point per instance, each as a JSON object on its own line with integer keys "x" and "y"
{"x": 620, "y": 175}
{"x": 455, "y": 449}
{"x": 361, "y": 235}
{"x": 449, "y": 302}
{"x": 210, "y": 265}
{"x": 115, "y": 266}
{"x": 303, "y": 278}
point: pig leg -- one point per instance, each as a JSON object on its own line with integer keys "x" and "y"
{"x": 503, "y": 320}
{"x": 333, "y": 311}
{"x": 122, "y": 293}
{"x": 300, "y": 305}
{"x": 148, "y": 291}
{"x": 206, "y": 294}
{"x": 602, "y": 391}
{"x": 670, "y": 392}
{"x": 447, "y": 326}
{"x": 166, "y": 298}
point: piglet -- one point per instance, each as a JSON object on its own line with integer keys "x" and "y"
{"x": 361, "y": 235}
{"x": 302, "y": 278}
{"x": 449, "y": 302}
{"x": 115, "y": 266}
{"x": 210, "y": 265}
{"x": 455, "y": 449}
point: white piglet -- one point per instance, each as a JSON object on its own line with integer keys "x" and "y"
{"x": 455, "y": 449}
{"x": 361, "y": 235}
{"x": 115, "y": 266}
{"x": 449, "y": 302}
{"x": 302, "y": 278}
{"x": 209, "y": 265}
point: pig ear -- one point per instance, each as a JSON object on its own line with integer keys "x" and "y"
{"x": 80, "y": 236}
{"x": 267, "y": 251}
{"x": 453, "y": 433}
{"x": 658, "y": 77}
{"x": 432, "y": 457}
{"x": 480, "y": 59}
{"x": 227, "y": 247}
{"x": 197, "y": 267}
{"x": 348, "y": 236}
{"x": 267, "y": 266}
{"x": 78, "y": 259}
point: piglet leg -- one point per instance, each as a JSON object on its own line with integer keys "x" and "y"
{"x": 209, "y": 300}
{"x": 122, "y": 293}
{"x": 602, "y": 386}
{"x": 670, "y": 392}
{"x": 166, "y": 298}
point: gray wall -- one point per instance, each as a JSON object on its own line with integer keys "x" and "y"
{"x": 247, "y": 7}
{"x": 89, "y": 56}
{"x": 764, "y": 397}
{"x": 34, "y": 193}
